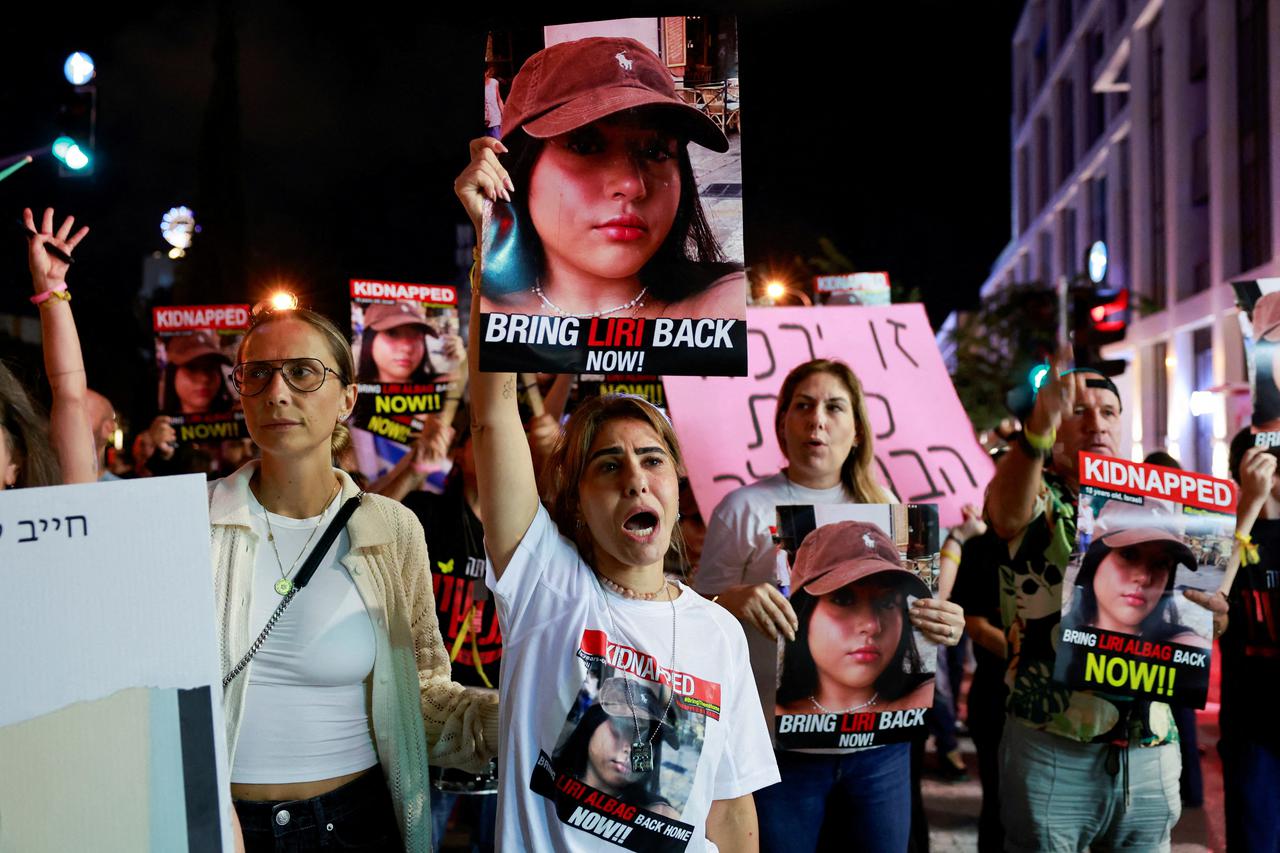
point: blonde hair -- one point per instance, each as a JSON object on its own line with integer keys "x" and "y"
{"x": 855, "y": 472}
{"x": 568, "y": 461}
{"x": 339, "y": 348}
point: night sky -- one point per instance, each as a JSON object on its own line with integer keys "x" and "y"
{"x": 882, "y": 126}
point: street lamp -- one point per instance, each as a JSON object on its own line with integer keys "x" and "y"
{"x": 776, "y": 289}
{"x": 79, "y": 68}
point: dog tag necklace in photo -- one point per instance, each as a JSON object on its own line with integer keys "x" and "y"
{"x": 283, "y": 585}
{"x": 642, "y": 750}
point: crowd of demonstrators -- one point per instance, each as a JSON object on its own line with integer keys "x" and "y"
{"x": 374, "y": 709}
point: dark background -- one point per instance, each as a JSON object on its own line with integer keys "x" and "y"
{"x": 323, "y": 145}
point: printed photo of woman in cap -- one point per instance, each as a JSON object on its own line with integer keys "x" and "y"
{"x": 195, "y": 375}
{"x": 855, "y": 649}
{"x": 598, "y": 749}
{"x": 595, "y": 205}
{"x": 394, "y": 346}
{"x": 1126, "y": 578}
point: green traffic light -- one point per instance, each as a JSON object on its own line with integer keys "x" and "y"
{"x": 69, "y": 153}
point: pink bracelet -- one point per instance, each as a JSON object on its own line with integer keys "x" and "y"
{"x": 41, "y": 297}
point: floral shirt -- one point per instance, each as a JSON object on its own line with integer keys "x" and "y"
{"x": 1030, "y": 610}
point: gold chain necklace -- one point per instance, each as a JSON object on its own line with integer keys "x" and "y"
{"x": 283, "y": 585}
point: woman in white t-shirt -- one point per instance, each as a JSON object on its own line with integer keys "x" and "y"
{"x": 628, "y": 711}
{"x": 825, "y": 433}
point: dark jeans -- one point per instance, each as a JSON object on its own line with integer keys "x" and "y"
{"x": 1251, "y": 794}
{"x": 1192, "y": 781}
{"x": 358, "y": 816}
{"x": 479, "y": 812}
{"x": 859, "y": 801}
{"x": 986, "y": 724}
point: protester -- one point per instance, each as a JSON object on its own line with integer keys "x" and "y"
{"x": 468, "y": 621}
{"x": 824, "y": 432}
{"x": 1250, "y": 745}
{"x": 854, "y": 648}
{"x": 977, "y": 590}
{"x": 103, "y": 423}
{"x": 582, "y": 599}
{"x": 600, "y": 212}
{"x": 33, "y": 452}
{"x": 393, "y": 347}
{"x": 353, "y": 676}
{"x": 1079, "y": 769}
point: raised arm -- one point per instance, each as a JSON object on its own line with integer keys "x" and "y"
{"x": 504, "y": 466}
{"x": 1011, "y": 497}
{"x": 69, "y": 432}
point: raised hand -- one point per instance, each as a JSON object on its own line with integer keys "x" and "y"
{"x": 1057, "y": 397}
{"x": 483, "y": 179}
{"x": 48, "y": 271}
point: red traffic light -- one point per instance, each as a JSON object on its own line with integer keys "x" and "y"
{"x": 1109, "y": 317}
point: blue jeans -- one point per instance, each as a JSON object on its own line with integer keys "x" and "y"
{"x": 856, "y": 801}
{"x": 478, "y": 811}
{"x": 1251, "y": 793}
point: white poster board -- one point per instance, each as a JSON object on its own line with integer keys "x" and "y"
{"x": 111, "y": 730}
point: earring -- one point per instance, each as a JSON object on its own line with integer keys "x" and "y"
{"x": 678, "y": 517}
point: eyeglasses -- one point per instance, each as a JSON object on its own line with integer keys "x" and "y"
{"x": 251, "y": 378}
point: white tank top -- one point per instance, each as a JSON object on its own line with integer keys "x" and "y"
{"x": 305, "y": 713}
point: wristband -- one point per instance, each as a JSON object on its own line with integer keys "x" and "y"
{"x": 1248, "y": 550}
{"x": 1043, "y": 443}
{"x": 952, "y": 555}
{"x": 58, "y": 291}
{"x": 1031, "y": 450}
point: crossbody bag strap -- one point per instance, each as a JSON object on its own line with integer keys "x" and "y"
{"x": 299, "y": 581}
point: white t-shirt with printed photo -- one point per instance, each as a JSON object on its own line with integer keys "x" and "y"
{"x": 587, "y": 674}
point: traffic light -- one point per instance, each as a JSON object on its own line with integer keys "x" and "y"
{"x": 1099, "y": 317}
{"x": 77, "y": 117}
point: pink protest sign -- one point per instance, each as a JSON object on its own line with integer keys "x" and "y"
{"x": 924, "y": 444}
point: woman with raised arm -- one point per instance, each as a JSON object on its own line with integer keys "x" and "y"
{"x": 825, "y": 434}
{"x": 33, "y": 452}
{"x": 594, "y": 631}
{"x": 337, "y": 685}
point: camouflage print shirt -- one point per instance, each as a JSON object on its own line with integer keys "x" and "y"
{"x": 1030, "y": 605}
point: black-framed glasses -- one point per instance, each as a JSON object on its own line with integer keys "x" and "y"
{"x": 251, "y": 378}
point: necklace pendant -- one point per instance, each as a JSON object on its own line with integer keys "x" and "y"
{"x": 641, "y": 757}
{"x": 283, "y": 586}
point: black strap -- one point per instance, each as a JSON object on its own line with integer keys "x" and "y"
{"x": 299, "y": 581}
{"x": 326, "y": 539}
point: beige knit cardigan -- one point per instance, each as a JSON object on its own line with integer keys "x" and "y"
{"x": 414, "y": 706}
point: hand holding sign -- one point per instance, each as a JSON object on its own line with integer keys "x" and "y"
{"x": 483, "y": 180}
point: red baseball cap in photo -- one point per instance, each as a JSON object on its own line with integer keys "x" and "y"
{"x": 836, "y": 555}
{"x": 569, "y": 85}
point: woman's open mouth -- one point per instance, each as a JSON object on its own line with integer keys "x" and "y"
{"x": 641, "y": 525}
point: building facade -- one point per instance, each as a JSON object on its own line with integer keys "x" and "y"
{"x": 1153, "y": 127}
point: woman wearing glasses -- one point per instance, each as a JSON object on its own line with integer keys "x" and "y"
{"x": 350, "y": 692}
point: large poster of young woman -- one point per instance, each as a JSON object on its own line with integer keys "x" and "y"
{"x": 195, "y": 350}
{"x": 857, "y": 674}
{"x": 617, "y": 247}
{"x": 1145, "y": 534}
{"x": 407, "y": 346}
{"x": 1260, "y": 301}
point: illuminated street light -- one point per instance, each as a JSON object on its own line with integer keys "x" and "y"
{"x": 777, "y": 289}
{"x": 78, "y": 69}
{"x": 177, "y": 227}
{"x": 283, "y": 300}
